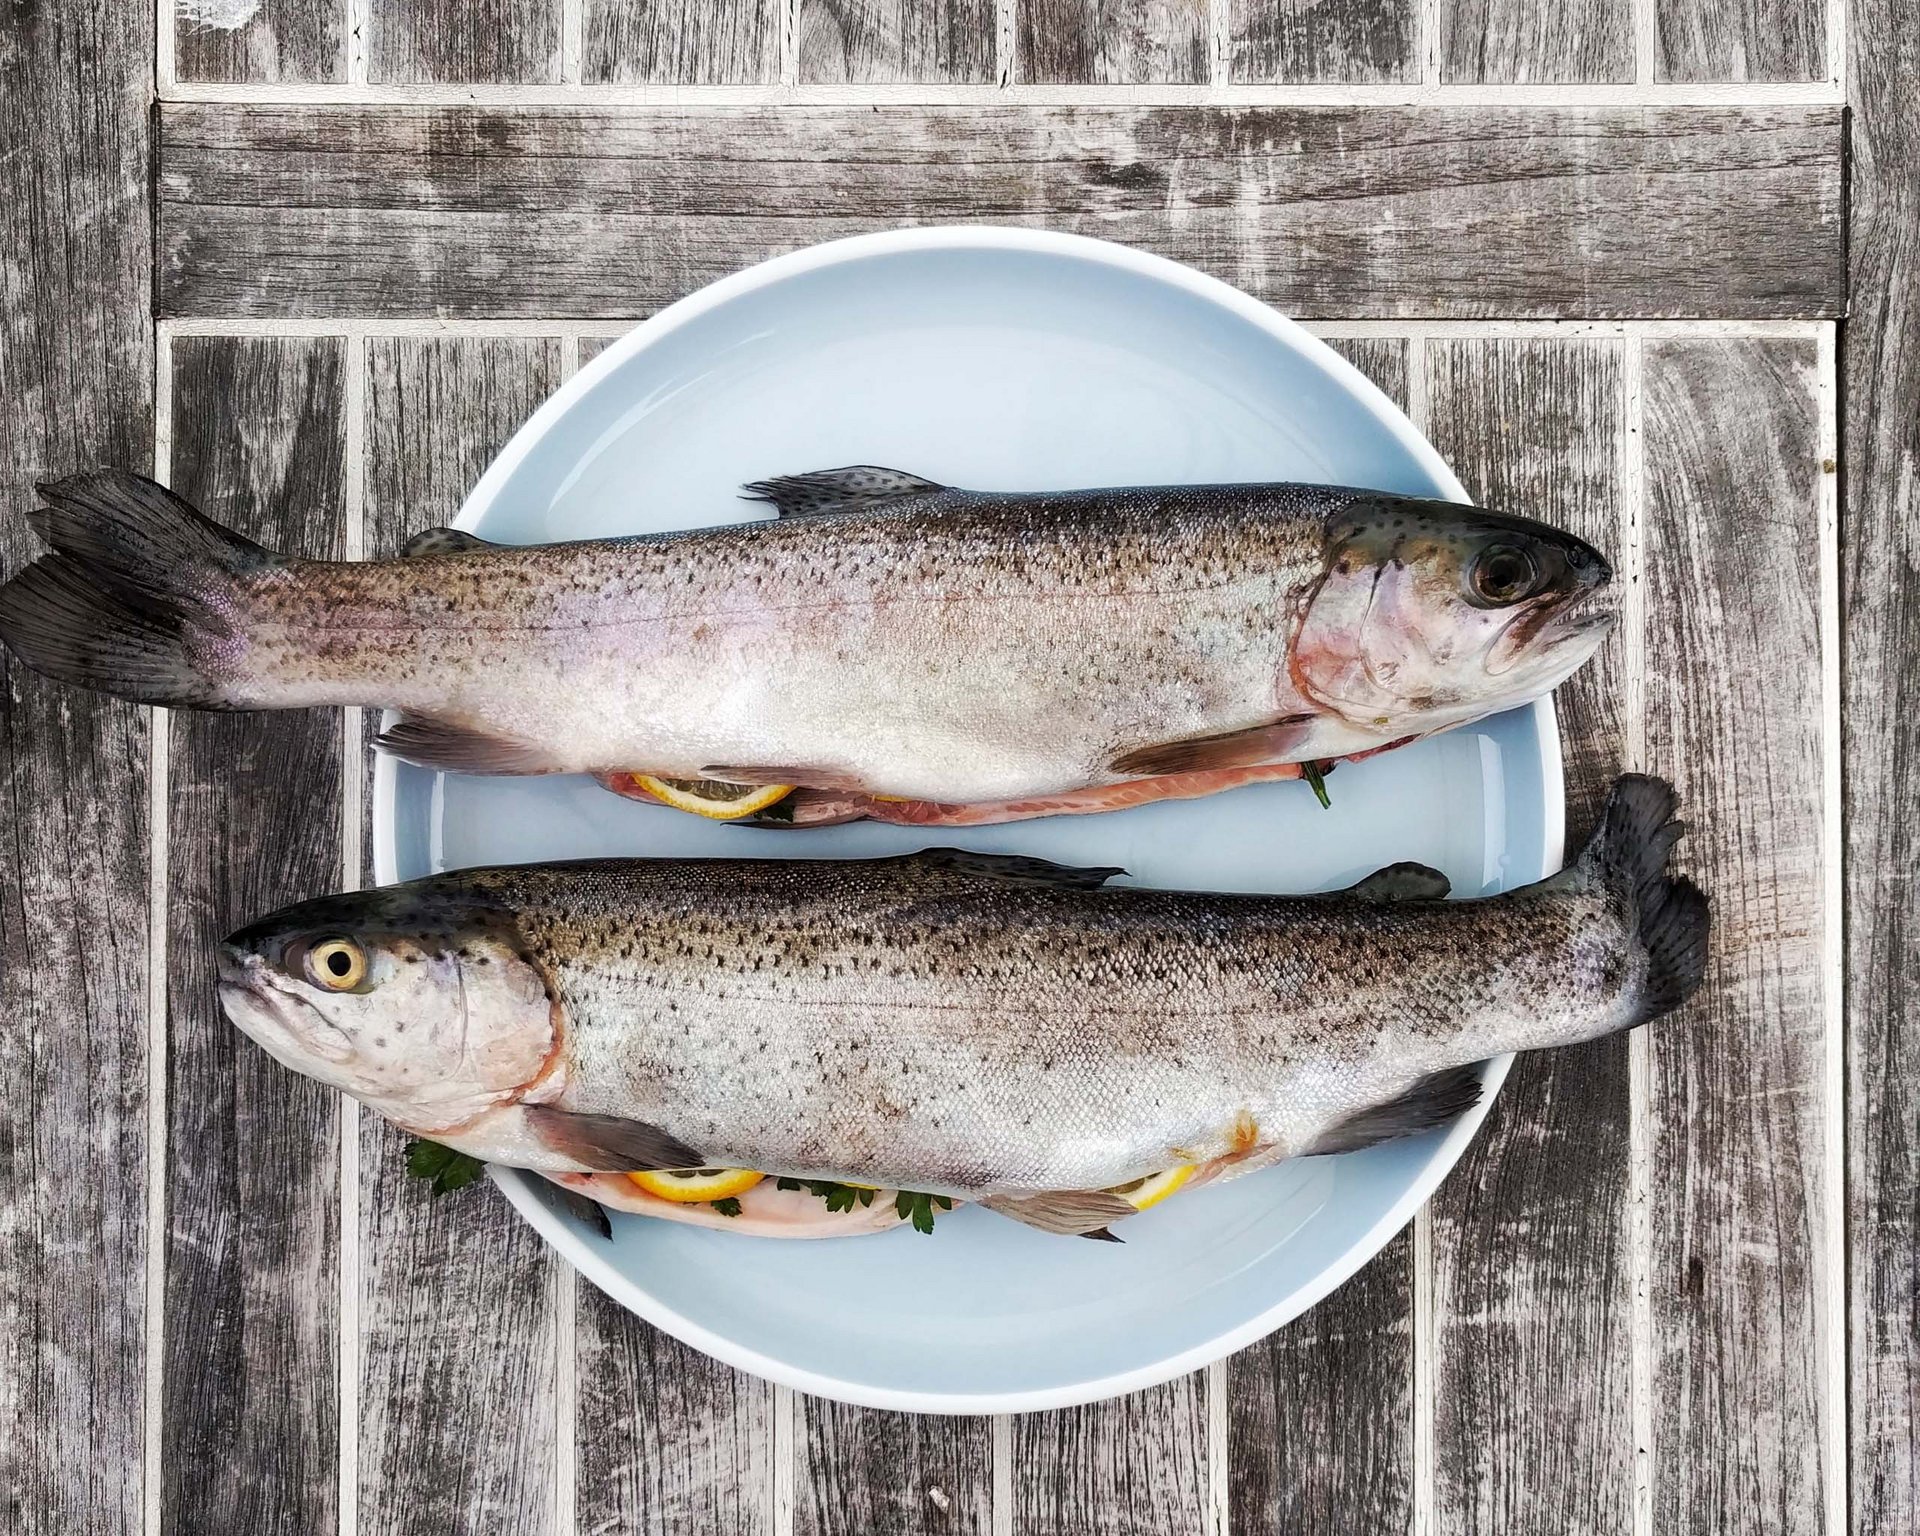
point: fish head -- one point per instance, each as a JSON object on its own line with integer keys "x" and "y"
{"x": 1431, "y": 613}
{"x": 426, "y": 1006}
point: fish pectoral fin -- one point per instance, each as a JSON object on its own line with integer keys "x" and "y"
{"x": 589, "y": 1210}
{"x": 609, "y": 1143}
{"x": 856, "y": 488}
{"x": 442, "y": 541}
{"x": 1248, "y": 748}
{"x": 1068, "y": 1212}
{"x": 1017, "y": 868}
{"x": 1434, "y": 1100}
{"x": 1402, "y": 882}
{"x": 454, "y": 748}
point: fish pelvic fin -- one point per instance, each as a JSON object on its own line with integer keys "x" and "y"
{"x": 609, "y": 1143}
{"x": 1432, "y": 1101}
{"x": 1627, "y": 855}
{"x": 135, "y": 595}
{"x": 1067, "y": 1212}
{"x": 856, "y": 488}
{"x": 450, "y": 748}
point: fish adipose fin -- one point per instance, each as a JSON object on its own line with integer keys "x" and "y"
{"x": 1017, "y": 868}
{"x": 442, "y": 541}
{"x": 1627, "y": 854}
{"x": 1257, "y": 744}
{"x": 450, "y": 748}
{"x": 1402, "y": 882}
{"x": 608, "y": 1143}
{"x": 1434, "y": 1100}
{"x": 1068, "y": 1212}
{"x": 857, "y": 488}
{"x": 134, "y": 592}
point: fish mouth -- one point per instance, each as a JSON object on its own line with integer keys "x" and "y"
{"x": 1562, "y": 634}
{"x": 287, "y": 1029}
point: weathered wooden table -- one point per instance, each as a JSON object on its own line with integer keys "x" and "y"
{"x": 1634, "y": 262}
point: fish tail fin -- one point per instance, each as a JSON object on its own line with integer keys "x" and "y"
{"x": 1627, "y": 855}
{"x": 136, "y": 593}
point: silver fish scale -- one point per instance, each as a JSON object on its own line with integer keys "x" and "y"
{"x": 903, "y": 1022}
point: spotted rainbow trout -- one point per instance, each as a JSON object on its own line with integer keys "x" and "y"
{"x": 897, "y": 649}
{"x": 968, "y": 1026}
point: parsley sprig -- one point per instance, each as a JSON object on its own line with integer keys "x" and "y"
{"x": 839, "y": 1197}
{"x": 1316, "y": 776}
{"x": 918, "y": 1207}
{"x": 447, "y": 1169}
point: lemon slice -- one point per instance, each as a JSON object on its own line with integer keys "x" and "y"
{"x": 692, "y": 1185}
{"x": 714, "y": 798}
{"x": 1151, "y": 1190}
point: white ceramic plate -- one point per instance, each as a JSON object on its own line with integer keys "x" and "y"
{"x": 998, "y": 359}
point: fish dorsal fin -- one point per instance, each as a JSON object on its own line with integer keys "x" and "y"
{"x": 1402, "y": 882}
{"x": 857, "y": 488}
{"x": 1017, "y": 868}
{"x": 442, "y": 541}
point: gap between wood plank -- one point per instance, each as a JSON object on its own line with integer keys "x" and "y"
{"x": 930, "y": 94}
{"x": 1006, "y": 41}
{"x": 590, "y": 328}
{"x": 1646, "y": 42}
{"x": 158, "y": 771}
{"x": 1219, "y": 1495}
{"x": 357, "y": 18}
{"x": 352, "y": 774}
{"x": 1422, "y": 1319}
{"x": 572, "y": 43}
{"x": 1639, "y": 1058}
{"x": 1835, "y": 1340}
{"x": 1001, "y": 1512}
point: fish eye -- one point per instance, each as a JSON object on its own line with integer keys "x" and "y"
{"x": 1503, "y": 573}
{"x": 338, "y": 964}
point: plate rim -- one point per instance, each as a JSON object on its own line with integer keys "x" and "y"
{"x": 524, "y": 1189}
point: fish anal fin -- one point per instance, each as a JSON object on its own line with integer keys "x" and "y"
{"x": 609, "y": 1143}
{"x": 1402, "y": 882}
{"x": 1066, "y": 1212}
{"x": 451, "y": 748}
{"x": 442, "y": 541}
{"x": 821, "y": 492}
{"x": 1432, "y": 1101}
{"x": 1018, "y": 868}
{"x": 1256, "y": 744}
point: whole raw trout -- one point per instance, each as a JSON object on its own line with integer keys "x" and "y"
{"x": 897, "y": 648}
{"x": 979, "y": 1026}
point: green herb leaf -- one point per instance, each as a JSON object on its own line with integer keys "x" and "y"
{"x": 727, "y": 1207}
{"x": 783, "y": 1182}
{"x": 1312, "y": 774}
{"x": 918, "y": 1207}
{"x": 447, "y": 1169}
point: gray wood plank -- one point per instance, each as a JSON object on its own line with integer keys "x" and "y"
{"x": 1320, "y": 1414}
{"x": 862, "y": 1472}
{"x": 460, "y": 1337}
{"x": 251, "y": 1397}
{"x": 1111, "y": 42}
{"x": 461, "y": 41}
{"x": 1526, "y": 41}
{"x": 691, "y": 42}
{"x": 669, "y": 1441}
{"x": 1131, "y": 1466}
{"x": 1324, "y": 211}
{"x": 1737, "y": 1120}
{"x": 1320, "y": 1417}
{"x": 1312, "y": 41}
{"x": 951, "y": 41}
{"x": 1740, "y": 39}
{"x": 76, "y": 378}
{"x": 1880, "y": 596}
{"x": 1533, "y": 1272}
{"x": 260, "y": 40}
